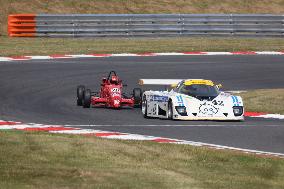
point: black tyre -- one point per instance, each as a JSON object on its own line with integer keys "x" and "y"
{"x": 137, "y": 94}
{"x": 87, "y": 98}
{"x": 80, "y": 95}
{"x": 170, "y": 110}
{"x": 144, "y": 107}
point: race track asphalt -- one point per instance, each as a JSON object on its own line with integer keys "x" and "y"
{"x": 44, "y": 91}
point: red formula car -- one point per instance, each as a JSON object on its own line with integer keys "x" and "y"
{"x": 110, "y": 95}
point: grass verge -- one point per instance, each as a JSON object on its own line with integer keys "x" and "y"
{"x": 264, "y": 100}
{"x": 48, "y": 46}
{"x": 42, "y": 160}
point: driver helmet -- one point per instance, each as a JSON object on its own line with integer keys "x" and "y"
{"x": 114, "y": 80}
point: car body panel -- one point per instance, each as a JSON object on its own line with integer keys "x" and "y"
{"x": 218, "y": 108}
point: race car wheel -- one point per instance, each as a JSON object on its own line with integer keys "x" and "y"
{"x": 80, "y": 94}
{"x": 144, "y": 107}
{"x": 170, "y": 110}
{"x": 87, "y": 98}
{"x": 137, "y": 94}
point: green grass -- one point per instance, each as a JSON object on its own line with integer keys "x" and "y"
{"x": 41, "y": 160}
{"x": 48, "y": 46}
{"x": 264, "y": 100}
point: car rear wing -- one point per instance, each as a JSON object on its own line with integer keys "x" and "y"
{"x": 159, "y": 81}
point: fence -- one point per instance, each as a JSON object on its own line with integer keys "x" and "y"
{"x": 152, "y": 25}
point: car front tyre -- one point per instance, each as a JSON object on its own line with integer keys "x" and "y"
{"x": 87, "y": 98}
{"x": 170, "y": 110}
{"x": 144, "y": 107}
{"x": 137, "y": 95}
{"x": 80, "y": 95}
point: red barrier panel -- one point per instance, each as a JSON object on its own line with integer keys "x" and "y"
{"x": 21, "y": 25}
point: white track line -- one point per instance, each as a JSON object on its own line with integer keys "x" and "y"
{"x": 5, "y": 59}
{"x": 139, "y": 54}
{"x": 271, "y": 116}
{"x": 39, "y": 57}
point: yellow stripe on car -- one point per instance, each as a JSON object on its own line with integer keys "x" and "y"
{"x": 198, "y": 82}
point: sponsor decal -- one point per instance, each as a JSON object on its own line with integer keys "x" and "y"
{"x": 158, "y": 98}
{"x": 115, "y": 94}
{"x": 208, "y": 109}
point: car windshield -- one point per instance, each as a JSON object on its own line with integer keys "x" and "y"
{"x": 199, "y": 90}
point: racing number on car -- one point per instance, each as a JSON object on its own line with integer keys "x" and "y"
{"x": 219, "y": 103}
{"x": 115, "y": 90}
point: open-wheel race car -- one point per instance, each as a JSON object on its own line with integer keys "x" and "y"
{"x": 110, "y": 94}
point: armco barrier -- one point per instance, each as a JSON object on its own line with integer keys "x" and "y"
{"x": 135, "y": 25}
{"x": 22, "y": 25}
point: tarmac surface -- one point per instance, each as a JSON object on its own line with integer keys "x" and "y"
{"x": 44, "y": 91}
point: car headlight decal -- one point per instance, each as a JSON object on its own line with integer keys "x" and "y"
{"x": 238, "y": 110}
{"x": 181, "y": 110}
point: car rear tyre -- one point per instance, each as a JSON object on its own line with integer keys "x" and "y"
{"x": 137, "y": 94}
{"x": 170, "y": 110}
{"x": 144, "y": 107}
{"x": 80, "y": 95}
{"x": 87, "y": 98}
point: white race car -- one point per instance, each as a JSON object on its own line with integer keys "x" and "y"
{"x": 190, "y": 99}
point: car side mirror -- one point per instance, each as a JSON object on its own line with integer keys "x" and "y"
{"x": 219, "y": 86}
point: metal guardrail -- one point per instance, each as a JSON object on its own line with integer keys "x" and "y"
{"x": 152, "y": 25}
